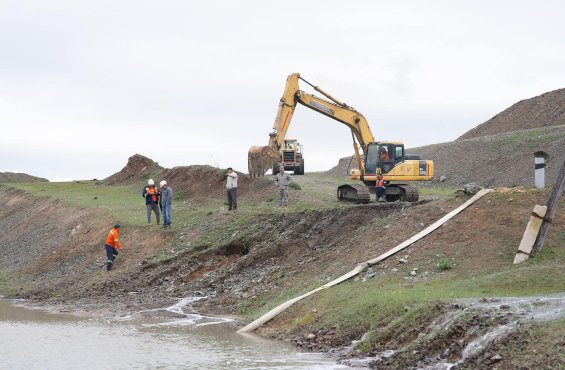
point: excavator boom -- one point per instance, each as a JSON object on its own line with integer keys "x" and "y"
{"x": 395, "y": 167}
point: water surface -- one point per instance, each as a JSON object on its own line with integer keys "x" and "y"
{"x": 31, "y": 339}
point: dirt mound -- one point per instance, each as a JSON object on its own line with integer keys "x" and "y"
{"x": 138, "y": 167}
{"x": 541, "y": 111}
{"x": 498, "y": 160}
{"x": 19, "y": 177}
{"x": 207, "y": 181}
{"x": 191, "y": 181}
{"x": 345, "y": 164}
{"x": 502, "y": 160}
{"x": 197, "y": 180}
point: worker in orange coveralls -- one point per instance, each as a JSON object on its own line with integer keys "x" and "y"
{"x": 112, "y": 245}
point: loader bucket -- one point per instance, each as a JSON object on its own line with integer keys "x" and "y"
{"x": 260, "y": 159}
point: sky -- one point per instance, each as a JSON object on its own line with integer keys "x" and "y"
{"x": 84, "y": 85}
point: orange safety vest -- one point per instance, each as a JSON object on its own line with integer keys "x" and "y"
{"x": 153, "y": 192}
{"x": 381, "y": 183}
{"x": 113, "y": 239}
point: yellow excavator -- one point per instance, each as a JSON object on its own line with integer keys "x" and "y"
{"x": 378, "y": 158}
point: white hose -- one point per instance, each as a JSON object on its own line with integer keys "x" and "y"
{"x": 362, "y": 266}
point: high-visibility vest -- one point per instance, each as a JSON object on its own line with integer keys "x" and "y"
{"x": 153, "y": 192}
{"x": 113, "y": 239}
{"x": 380, "y": 183}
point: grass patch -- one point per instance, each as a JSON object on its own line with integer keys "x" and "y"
{"x": 388, "y": 306}
{"x": 295, "y": 186}
{"x": 441, "y": 193}
{"x": 444, "y": 264}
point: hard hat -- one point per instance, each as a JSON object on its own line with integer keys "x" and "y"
{"x": 150, "y": 182}
{"x": 162, "y": 183}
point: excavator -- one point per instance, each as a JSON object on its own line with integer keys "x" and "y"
{"x": 386, "y": 158}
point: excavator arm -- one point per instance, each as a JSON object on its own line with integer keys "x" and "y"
{"x": 262, "y": 158}
{"x": 378, "y": 158}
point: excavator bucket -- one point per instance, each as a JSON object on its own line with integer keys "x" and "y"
{"x": 260, "y": 159}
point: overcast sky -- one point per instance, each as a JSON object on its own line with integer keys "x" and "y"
{"x": 86, "y": 84}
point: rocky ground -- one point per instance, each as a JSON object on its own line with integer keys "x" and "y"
{"x": 245, "y": 262}
{"x": 19, "y": 177}
{"x": 542, "y": 111}
{"x": 437, "y": 304}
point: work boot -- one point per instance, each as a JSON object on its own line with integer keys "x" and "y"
{"x": 109, "y": 266}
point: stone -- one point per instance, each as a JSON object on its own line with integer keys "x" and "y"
{"x": 442, "y": 178}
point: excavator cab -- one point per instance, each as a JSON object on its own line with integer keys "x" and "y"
{"x": 382, "y": 157}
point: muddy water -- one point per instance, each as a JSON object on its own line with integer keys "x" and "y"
{"x": 31, "y": 339}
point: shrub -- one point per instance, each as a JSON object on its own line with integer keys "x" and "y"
{"x": 294, "y": 186}
{"x": 444, "y": 264}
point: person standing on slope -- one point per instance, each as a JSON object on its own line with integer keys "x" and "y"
{"x": 380, "y": 188}
{"x": 231, "y": 186}
{"x": 112, "y": 245}
{"x": 151, "y": 195}
{"x": 166, "y": 203}
{"x": 282, "y": 180}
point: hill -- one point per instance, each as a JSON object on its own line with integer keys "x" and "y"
{"x": 498, "y": 152}
{"x": 248, "y": 262}
{"x": 6, "y": 177}
{"x": 191, "y": 181}
{"x": 541, "y": 111}
{"x": 505, "y": 159}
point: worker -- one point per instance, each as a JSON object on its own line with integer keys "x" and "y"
{"x": 384, "y": 154}
{"x": 151, "y": 195}
{"x": 166, "y": 195}
{"x": 112, "y": 245}
{"x": 282, "y": 180}
{"x": 381, "y": 189}
{"x": 231, "y": 188}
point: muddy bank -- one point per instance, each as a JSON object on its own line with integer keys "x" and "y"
{"x": 245, "y": 263}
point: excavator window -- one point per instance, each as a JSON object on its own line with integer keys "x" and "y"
{"x": 372, "y": 158}
{"x": 399, "y": 154}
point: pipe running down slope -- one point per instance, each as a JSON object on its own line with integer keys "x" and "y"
{"x": 362, "y": 266}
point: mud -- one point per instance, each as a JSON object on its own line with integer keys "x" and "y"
{"x": 243, "y": 261}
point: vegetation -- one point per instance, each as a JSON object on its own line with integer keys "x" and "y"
{"x": 444, "y": 264}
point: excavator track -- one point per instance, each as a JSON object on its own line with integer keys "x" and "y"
{"x": 354, "y": 193}
{"x": 402, "y": 192}
{"x": 410, "y": 193}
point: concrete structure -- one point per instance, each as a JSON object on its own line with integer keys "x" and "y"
{"x": 540, "y": 159}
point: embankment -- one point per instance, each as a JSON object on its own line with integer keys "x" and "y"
{"x": 248, "y": 262}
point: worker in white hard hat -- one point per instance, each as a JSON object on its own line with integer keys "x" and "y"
{"x": 152, "y": 195}
{"x": 166, "y": 203}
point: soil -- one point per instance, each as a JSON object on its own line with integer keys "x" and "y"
{"x": 52, "y": 253}
{"x": 538, "y": 112}
{"x": 6, "y": 177}
{"x": 191, "y": 181}
{"x": 499, "y": 152}
{"x": 56, "y": 256}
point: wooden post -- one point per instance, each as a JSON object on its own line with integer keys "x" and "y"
{"x": 551, "y": 206}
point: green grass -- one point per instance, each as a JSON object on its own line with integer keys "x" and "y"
{"x": 441, "y": 193}
{"x": 378, "y": 301}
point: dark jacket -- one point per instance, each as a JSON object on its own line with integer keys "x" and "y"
{"x": 149, "y": 198}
